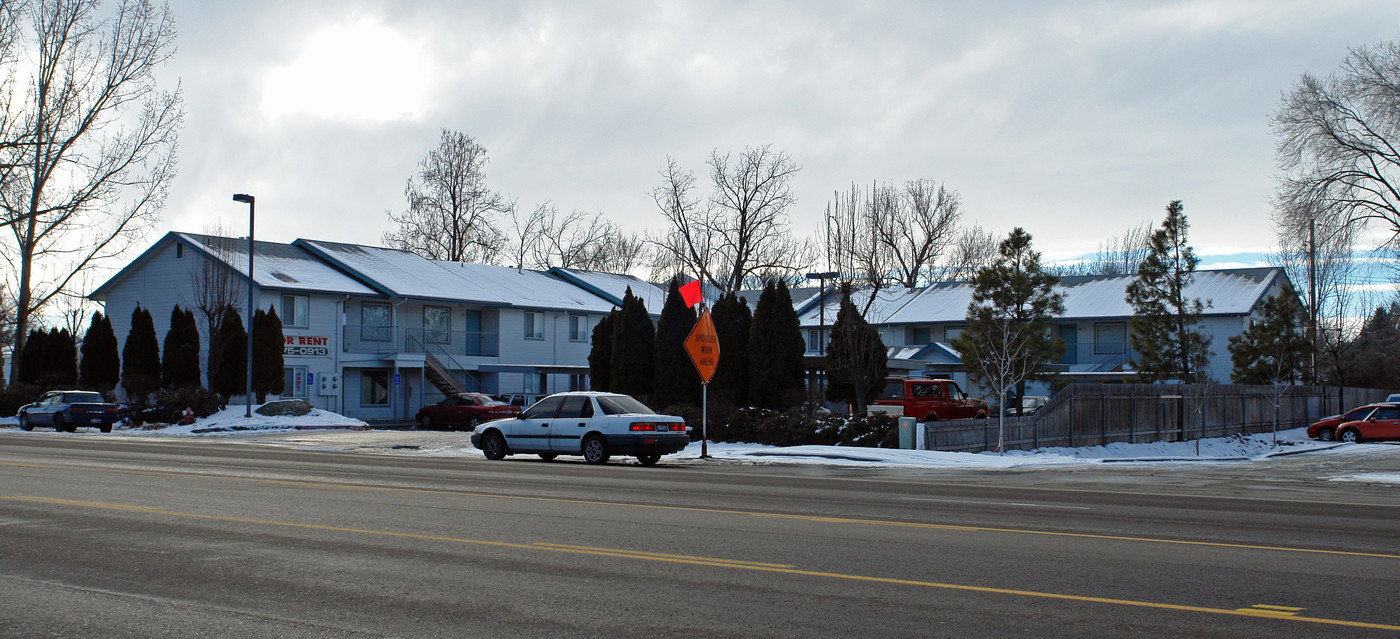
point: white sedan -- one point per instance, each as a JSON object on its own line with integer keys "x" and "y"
{"x": 593, "y": 424}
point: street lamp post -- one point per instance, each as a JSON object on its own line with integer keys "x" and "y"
{"x": 248, "y": 380}
{"x": 821, "y": 325}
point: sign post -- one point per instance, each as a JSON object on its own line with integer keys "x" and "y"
{"x": 703, "y": 347}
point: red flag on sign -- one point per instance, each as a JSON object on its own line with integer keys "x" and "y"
{"x": 691, "y": 293}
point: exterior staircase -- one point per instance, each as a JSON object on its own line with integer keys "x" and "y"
{"x": 440, "y": 377}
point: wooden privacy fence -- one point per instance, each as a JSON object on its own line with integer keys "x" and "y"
{"x": 1100, "y": 414}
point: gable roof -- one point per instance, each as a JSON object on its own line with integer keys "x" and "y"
{"x": 276, "y": 266}
{"x": 613, "y": 287}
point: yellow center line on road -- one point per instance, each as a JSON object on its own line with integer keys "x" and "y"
{"x": 1258, "y": 612}
{"x": 720, "y": 511}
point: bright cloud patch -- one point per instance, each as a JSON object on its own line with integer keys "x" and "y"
{"x": 363, "y": 71}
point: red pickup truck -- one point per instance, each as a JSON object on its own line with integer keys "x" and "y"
{"x": 928, "y": 399}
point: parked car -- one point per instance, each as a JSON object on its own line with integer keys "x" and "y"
{"x": 593, "y": 424}
{"x": 927, "y": 399}
{"x": 1325, "y": 429}
{"x": 516, "y": 399}
{"x": 1393, "y": 397}
{"x": 66, "y": 410}
{"x": 464, "y": 410}
{"x": 1381, "y": 423}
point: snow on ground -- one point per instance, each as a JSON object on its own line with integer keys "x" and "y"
{"x": 1232, "y": 450}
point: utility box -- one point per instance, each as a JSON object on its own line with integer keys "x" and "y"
{"x": 907, "y": 425}
{"x": 329, "y": 384}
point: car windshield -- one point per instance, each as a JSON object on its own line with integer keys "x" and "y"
{"x": 622, "y": 405}
{"x": 1358, "y": 413}
{"x": 84, "y": 398}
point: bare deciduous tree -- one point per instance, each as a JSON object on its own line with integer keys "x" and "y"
{"x": 216, "y": 290}
{"x": 452, "y": 214}
{"x": 1120, "y": 255}
{"x": 916, "y": 226}
{"x": 1339, "y": 141}
{"x": 97, "y": 143}
{"x": 1318, "y": 253}
{"x": 543, "y": 239}
{"x": 973, "y": 248}
{"x": 740, "y": 230}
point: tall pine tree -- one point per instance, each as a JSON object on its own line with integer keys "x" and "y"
{"x": 776, "y": 365}
{"x": 180, "y": 362}
{"x": 634, "y": 338}
{"x": 600, "y": 356}
{"x": 1167, "y": 338}
{"x": 268, "y": 367}
{"x": 141, "y": 357}
{"x": 676, "y": 379}
{"x": 100, "y": 368}
{"x": 1273, "y": 350}
{"x": 856, "y": 359}
{"x": 230, "y": 376}
{"x": 60, "y": 359}
{"x": 732, "y": 319}
{"x": 31, "y": 367}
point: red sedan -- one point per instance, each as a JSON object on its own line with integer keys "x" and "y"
{"x": 1383, "y": 423}
{"x": 1325, "y": 429}
{"x": 464, "y": 410}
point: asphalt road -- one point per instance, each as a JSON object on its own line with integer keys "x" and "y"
{"x": 117, "y": 537}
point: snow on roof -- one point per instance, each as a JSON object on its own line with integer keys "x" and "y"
{"x": 613, "y": 286}
{"x": 530, "y": 289}
{"x": 408, "y": 275}
{"x": 887, "y": 305}
{"x": 1229, "y": 292}
{"x": 277, "y": 266}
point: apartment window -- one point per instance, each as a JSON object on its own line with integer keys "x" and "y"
{"x": 537, "y": 383}
{"x": 578, "y": 382}
{"x": 1110, "y": 339}
{"x": 952, "y": 332}
{"x": 375, "y": 325}
{"x": 294, "y": 381}
{"x": 179, "y": 250}
{"x": 534, "y": 325}
{"x": 578, "y": 328}
{"x": 374, "y": 387}
{"x": 918, "y": 336}
{"x": 295, "y": 311}
{"x": 437, "y": 324}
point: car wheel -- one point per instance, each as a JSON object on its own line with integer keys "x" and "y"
{"x": 548, "y": 456}
{"x": 649, "y": 460}
{"x": 425, "y": 422}
{"x": 106, "y": 428}
{"x": 984, "y": 415}
{"x": 24, "y": 422}
{"x": 493, "y": 445}
{"x": 472, "y": 422}
{"x": 58, "y": 425}
{"x": 595, "y": 450}
{"x": 1326, "y": 435}
{"x": 1349, "y": 435}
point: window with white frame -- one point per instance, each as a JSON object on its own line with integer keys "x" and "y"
{"x": 578, "y": 328}
{"x": 296, "y": 310}
{"x": 437, "y": 324}
{"x": 534, "y": 325}
{"x": 375, "y": 323}
{"x": 374, "y": 387}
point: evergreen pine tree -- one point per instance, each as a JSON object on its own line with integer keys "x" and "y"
{"x": 633, "y": 340}
{"x": 31, "y": 369}
{"x": 776, "y": 351}
{"x": 179, "y": 366}
{"x": 600, "y": 356}
{"x": 1273, "y": 350}
{"x": 60, "y": 359}
{"x": 231, "y": 375}
{"x": 268, "y": 367}
{"x": 141, "y": 357}
{"x": 732, "y": 318}
{"x": 1008, "y": 339}
{"x": 1167, "y": 340}
{"x": 676, "y": 379}
{"x": 856, "y": 359}
{"x": 100, "y": 368}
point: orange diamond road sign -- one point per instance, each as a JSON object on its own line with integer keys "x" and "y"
{"x": 703, "y": 347}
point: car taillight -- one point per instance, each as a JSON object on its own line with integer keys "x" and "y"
{"x": 642, "y": 426}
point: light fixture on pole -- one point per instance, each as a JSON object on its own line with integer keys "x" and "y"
{"x": 821, "y": 326}
{"x": 248, "y": 380}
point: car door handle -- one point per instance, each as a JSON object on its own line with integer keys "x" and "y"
{"x": 582, "y": 424}
{"x": 544, "y": 425}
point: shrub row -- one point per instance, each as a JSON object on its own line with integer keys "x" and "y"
{"x": 791, "y": 428}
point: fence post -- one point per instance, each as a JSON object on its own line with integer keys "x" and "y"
{"x": 1103, "y": 417}
{"x": 1132, "y": 417}
{"x": 1071, "y": 419}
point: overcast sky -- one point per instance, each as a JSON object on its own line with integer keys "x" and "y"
{"x": 1074, "y": 120}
